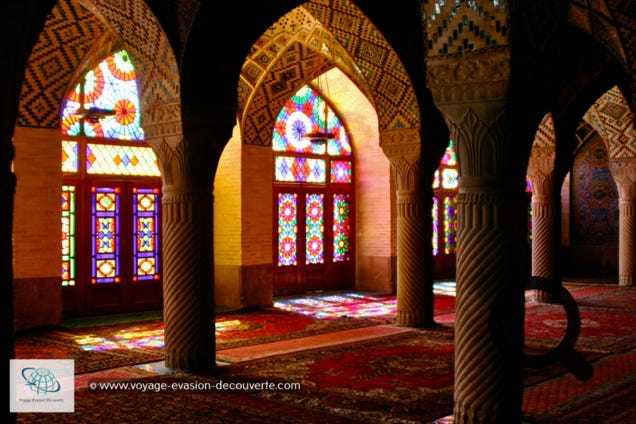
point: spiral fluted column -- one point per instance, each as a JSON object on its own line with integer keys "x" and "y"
{"x": 188, "y": 140}
{"x": 414, "y": 249}
{"x": 491, "y": 272}
{"x": 545, "y": 218}
{"x": 624, "y": 172}
{"x": 188, "y": 278}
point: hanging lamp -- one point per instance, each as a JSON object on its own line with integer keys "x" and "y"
{"x": 322, "y": 136}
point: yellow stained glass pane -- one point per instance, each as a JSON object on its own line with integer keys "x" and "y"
{"x": 70, "y": 156}
{"x": 121, "y": 160}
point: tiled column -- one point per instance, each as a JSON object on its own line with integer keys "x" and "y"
{"x": 545, "y": 221}
{"x": 188, "y": 164}
{"x": 414, "y": 257}
{"x": 624, "y": 172}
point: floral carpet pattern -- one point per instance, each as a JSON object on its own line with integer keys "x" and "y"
{"x": 401, "y": 378}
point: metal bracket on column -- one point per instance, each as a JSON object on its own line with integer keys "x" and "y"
{"x": 564, "y": 352}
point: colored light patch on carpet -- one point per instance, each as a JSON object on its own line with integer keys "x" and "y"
{"x": 340, "y": 305}
{"x": 152, "y": 335}
{"x": 360, "y": 305}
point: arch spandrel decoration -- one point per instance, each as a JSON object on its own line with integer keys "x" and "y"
{"x": 377, "y": 70}
{"x": 68, "y": 42}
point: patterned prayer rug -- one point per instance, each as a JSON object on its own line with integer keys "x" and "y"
{"x": 405, "y": 377}
{"x": 603, "y": 330}
{"x": 118, "y": 344}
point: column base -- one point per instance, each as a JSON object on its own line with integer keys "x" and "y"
{"x": 626, "y": 280}
{"x": 191, "y": 361}
{"x": 414, "y": 319}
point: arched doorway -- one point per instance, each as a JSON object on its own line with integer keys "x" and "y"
{"x": 110, "y": 196}
{"x": 313, "y": 199}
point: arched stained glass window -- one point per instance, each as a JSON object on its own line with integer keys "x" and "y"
{"x": 313, "y": 186}
{"x": 109, "y": 90}
{"x": 111, "y": 193}
{"x": 304, "y": 113}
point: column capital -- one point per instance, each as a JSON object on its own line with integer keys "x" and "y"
{"x": 458, "y": 83}
{"x": 624, "y": 172}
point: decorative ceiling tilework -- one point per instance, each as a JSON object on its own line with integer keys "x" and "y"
{"x": 288, "y": 75}
{"x": 393, "y": 94}
{"x": 69, "y": 33}
{"x": 454, "y": 27}
{"x": 583, "y": 132}
{"x": 595, "y": 18}
{"x": 618, "y": 127}
{"x": 346, "y": 32}
{"x": 545, "y": 136}
{"x": 133, "y": 22}
{"x": 72, "y": 33}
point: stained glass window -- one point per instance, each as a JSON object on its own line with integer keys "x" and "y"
{"x": 105, "y": 218}
{"x": 450, "y": 224}
{"x": 105, "y": 103}
{"x": 341, "y": 227}
{"x": 435, "y": 214}
{"x": 121, "y": 160}
{"x": 68, "y": 235}
{"x": 287, "y": 229}
{"x": 444, "y": 209}
{"x": 146, "y": 233}
{"x": 102, "y": 136}
{"x": 314, "y": 229}
{"x": 299, "y": 161}
{"x": 340, "y": 171}
{"x": 304, "y": 113}
{"x": 70, "y": 156}
{"x": 299, "y": 170}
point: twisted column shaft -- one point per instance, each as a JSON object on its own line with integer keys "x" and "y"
{"x": 414, "y": 292}
{"x": 414, "y": 232}
{"x": 489, "y": 319}
{"x": 545, "y": 218}
{"x": 188, "y": 279}
{"x": 624, "y": 172}
{"x": 627, "y": 243}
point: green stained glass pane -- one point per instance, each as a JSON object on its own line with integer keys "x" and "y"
{"x": 68, "y": 236}
{"x": 450, "y": 156}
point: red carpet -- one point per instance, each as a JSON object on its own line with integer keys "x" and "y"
{"x": 350, "y": 371}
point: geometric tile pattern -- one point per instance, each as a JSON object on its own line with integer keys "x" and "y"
{"x": 74, "y": 35}
{"x": 611, "y": 22}
{"x": 393, "y": 94}
{"x": 146, "y": 41}
{"x": 596, "y": 19}
{"x": 612, "y": 119}
{"x": 545, "y": 136}
{"x": 275, "y": 68}
{"x": 457, "y": 28}
{"x": 69, "y": 33}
